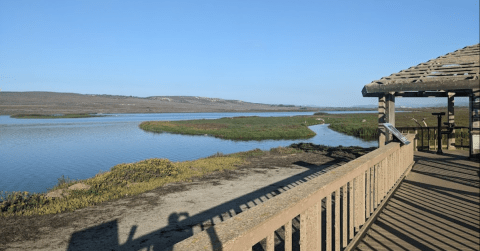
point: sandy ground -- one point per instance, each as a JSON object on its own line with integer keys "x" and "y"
{"x": 159, "y": 218}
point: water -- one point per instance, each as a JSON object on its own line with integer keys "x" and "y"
{"x": 35, "y": 153}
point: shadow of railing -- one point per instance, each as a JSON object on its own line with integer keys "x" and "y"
{"x": 438, "y": 210}
{"x": 181, "y": 224}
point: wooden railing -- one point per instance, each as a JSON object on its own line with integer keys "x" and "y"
{"x": 329, "y": 212}
{"x": 426, "y": 137}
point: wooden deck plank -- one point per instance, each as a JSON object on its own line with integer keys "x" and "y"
{"x": 437, "y": 207}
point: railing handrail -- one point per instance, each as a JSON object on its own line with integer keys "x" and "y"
{"x": 428, "y": 127}
{"x": 248, "y": 228}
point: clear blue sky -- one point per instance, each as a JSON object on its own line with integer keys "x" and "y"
{"x": 277, "y": 52}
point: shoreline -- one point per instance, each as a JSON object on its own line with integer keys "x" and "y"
{"x": 173, "y": 212}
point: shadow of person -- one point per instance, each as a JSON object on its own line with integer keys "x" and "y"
{"x": 174, "y": 218}
{"x": 103, "y": 237}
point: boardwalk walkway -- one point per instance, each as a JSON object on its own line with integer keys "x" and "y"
{"x": 437, "y": 207}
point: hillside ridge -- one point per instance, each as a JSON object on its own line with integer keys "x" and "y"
{"x": 67, "y": 103}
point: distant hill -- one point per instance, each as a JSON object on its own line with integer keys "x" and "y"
{"x": 67, "y": 103}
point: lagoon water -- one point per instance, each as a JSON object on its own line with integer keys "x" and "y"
{"x": 34, "y": 153}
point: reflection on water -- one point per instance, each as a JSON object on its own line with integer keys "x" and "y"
{"x": 34, "y": 153}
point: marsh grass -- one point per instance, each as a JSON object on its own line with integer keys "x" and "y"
{"x": 240, "y": 128}
{"x": 122, "y": 180}
{"x": 59, "y": 116}
{"x": 361, "y": 125}
{"x": 351, "y": 124}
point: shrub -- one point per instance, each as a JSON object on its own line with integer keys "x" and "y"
{"x": 18, "y": 201}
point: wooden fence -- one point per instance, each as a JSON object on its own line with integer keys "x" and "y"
{"x": 426, "y": 137}
{"x": 329, "y": 212}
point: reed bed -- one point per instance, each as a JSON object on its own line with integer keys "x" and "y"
{"x": 55, "y": 116}
{"x": 240, "y": 128}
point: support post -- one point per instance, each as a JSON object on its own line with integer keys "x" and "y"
{"x": 474, "y": 106}
{"x": 390, "y": 114}
{"x": 451, "y": 120}
{"x": 381, "y": 119}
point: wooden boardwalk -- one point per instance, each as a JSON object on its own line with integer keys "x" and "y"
{"x": 437, "y": 207}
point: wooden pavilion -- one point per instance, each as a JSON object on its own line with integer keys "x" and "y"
{"x": 455, "y": 74}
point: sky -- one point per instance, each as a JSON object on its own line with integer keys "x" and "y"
{"x": 318, "y": 53}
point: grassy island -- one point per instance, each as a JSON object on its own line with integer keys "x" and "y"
{"x": 55, "y": 116}
{"x": 240, "y": 128}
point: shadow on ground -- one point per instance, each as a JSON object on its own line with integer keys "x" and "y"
{"x": 181, "y": 224}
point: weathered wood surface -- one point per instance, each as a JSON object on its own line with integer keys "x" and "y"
{"x": 454, "y": 71}
{"x": 437, "y": 207}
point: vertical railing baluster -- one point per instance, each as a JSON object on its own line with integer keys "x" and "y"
{"x": 320, "y": 225}
{"x": 359, "y": 201}
{"x": 328, "y": 208}
{"x": 367, "y": 194}
{"x": 270, "y": 242}
{"x": 372, "y": 195}
{"x": 362, "y": 192}
{"x": 309, "y": 228}
{"x": 303, "y": 231}
{"x": 337, "y": 220}
{"x": 344, "y": 217}
{"x": 391, "y": 164}
{"x": 385, "y": 177}
{"x": 351, "y": 209}
{"x": 288, "y": 235}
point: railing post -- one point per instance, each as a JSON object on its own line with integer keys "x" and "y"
{"x": 416, "y": 140}
{"x": 451, "y": 120}
{"x": 428, "y": 138}
{"x": 423, "y": 138}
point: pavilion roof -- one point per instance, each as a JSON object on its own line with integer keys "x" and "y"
{"x": 457, "y": 72}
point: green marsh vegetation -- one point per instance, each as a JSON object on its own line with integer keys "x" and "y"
{"x": 55, "y": 116}
{"x": 240, "y": 128}
{"x": 351, "y": 124}
{"x": 362, "y": 125}
{"x": 122, "y": 180}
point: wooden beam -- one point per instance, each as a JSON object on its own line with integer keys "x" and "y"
{"x": 427, "y": 84}
{"x": 424, "y": 94}
{"x": 381, "y": 120}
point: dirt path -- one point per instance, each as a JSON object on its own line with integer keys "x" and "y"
{"x": 166, "y": 215}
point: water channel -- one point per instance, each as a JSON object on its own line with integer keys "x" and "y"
{"x": 34, "y": 153}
